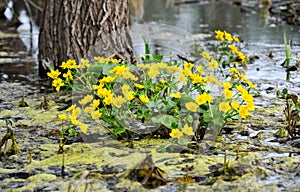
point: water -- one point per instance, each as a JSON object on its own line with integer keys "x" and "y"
{"x": 260, "y": 32}
{"x": 175, "y": 24}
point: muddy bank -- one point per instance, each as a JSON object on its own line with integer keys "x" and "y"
{"x": 256, "y": 161}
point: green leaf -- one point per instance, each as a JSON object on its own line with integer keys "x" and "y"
{"x": 107, "y": 68}
{"x": 166, "y": 120}
{"x": 96, "y": 68}
{"x": 119, "y": 130}
{"x": 157, "y": 58}
{"x": 190, "y": 118}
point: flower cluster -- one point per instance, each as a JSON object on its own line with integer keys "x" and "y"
{"x": 228, "y": 48}
{"x": 165, "y": 93}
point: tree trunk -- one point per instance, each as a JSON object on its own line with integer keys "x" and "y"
{"x": 74, "y": 29}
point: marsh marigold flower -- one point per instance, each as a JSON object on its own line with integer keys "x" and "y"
{"x": 224, "y": 107}
{"x": 227, "y": 93}
{"x": 86, "y": 99}
{"x": 53, "y": 74}
{"x": 191, "y": 106}
{"x": 250, "y": 106}
{"x": 96, "y": 114}
{"x": 220, "y": 35}
{"x": 244, "y": 113}
{"x": 144, "y": 98}
{"x": 203, "y": 98}
{"x": 213, "y": 64}
{"x": 228, "y": 36}
{"x": 84, "y": 63}
{"x": 176, "y": 133}
{"x": 83, "y": 127}
{"x": 173, "y": 69}
{"x": 68, "y": 75}
{"x": 182, "y": 78}
{"x": 188, "y": 65}
{"x": 176, "y": 95}
{"x": 235, "y": 105}
{"x": 236, "y": 39}
{"x": 206, "y": 55}
{"x": 57, "y": 83}
{"x": 62, "y": 116}
{"x": 118, "y": 101}
{"x": 187, "y": 130}
{"x": 139, "y": 86}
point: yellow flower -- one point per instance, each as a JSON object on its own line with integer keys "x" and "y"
{"x": 129, "y": 95}
{"x": 118, "y": 101}
{"x": 85, "y": 63}
{"x": 68, "y": 75}
{"x": 173, "y": 69}
{"x": 53, "y": 74}
{"x": 89, "y": 109}
{"x": 187, "y": 72}
{"x": 128, "y": 75}
{"x": 86, "y": 99}
{"x": 176, "y": 133}
{"x": 100, "y": 60}
{"x": 191, "y": 106}
{"x": 233, "y": 48}
{"x": 73, "y": 119}
{"x": 57, "y": 83}
{"x": 83, "y": 127}
{"x": 224, "y": 107}
{"x": 228, "y": 36}
{"x": 227, "y": 85}
{"x": 182, "y": 78}
{"x": 242, "y": 57}
{"x": 143, "y": 66}
{"x": 206, "y": 55}
{"x": 213, "y": 64}
{"x": 139, "y": 86}
{"x": 76, "y": 112}
{"x": 244, "y": 112}
{"x": 96, "y": 114}
{"x": 107, "y": 79}
{"x": 144, "y": 98}
{"x": 236, "y": 39}
{"x": 241, "y": 89}
{"x": 188, "y": 65}
{"x": 108, "y": 99}
{"x": 112, "y": 60}
{"x": 62, "y": 116}
{"x": 71, "y": 108}
{"x": 251, "y": 85}
{"x": 187, "y": 130}
{"x": 250, "y": 106}
{"x": 153, "y": 72}
{"x": 176, "y": 95}
{"x": 211, "y": 79}
{"x": 247, "y": 97}
{"x": 196, "y": 78}
{"x": 235, "y": 105}
{"x": 160, "y": 65}
{"x": 200, "y": 69}
{"x": 118, "y": 70}
{"x": 220, "y": 35}
{"x": 203, "y": 98}
{"x": 234, "y": 70}
{"x": 227, "y": 94}
{"x": 104, "y": 92}
{"x": 70, "y": 64}
{"x": 96, "y": 103}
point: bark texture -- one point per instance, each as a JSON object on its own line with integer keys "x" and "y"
{"x": 74, "y": 29}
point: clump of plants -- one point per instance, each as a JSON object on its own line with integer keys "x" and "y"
{"x": 174, "y": 99}
{"x": 291, "y": 113}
